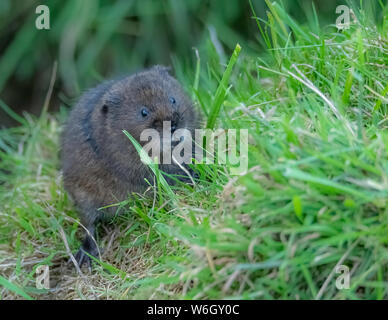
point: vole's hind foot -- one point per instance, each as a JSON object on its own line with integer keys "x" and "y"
{"x": 82, "y": 258}
{"x": 88, "y": 247}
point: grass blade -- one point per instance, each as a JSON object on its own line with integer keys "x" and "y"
{"x": 10, "y": 286}
{"x": 221, "y": 90}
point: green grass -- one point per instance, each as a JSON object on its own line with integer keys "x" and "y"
{"x": 315, "y": 194}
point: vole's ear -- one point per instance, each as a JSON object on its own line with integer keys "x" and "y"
{"x": 110, "y": 102}
{"x": 104, "y": 109}
{"x": 162, "y": 69}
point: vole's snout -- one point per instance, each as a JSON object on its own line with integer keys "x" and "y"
{"x": 173, "y": 120}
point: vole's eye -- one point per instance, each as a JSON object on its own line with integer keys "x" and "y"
{"x": 145, "y": 112}
{"x": 172, "y": 100}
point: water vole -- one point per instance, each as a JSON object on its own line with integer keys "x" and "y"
{"x": 100, "y": 164}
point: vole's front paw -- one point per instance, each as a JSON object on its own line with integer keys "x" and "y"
{"x": 183, "y": 177}
{"x": 193, "y": 173}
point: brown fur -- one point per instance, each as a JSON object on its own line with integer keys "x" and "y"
{"x": 100, "y": 164}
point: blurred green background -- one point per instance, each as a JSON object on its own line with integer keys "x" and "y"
{"x": 97, "y": 39}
